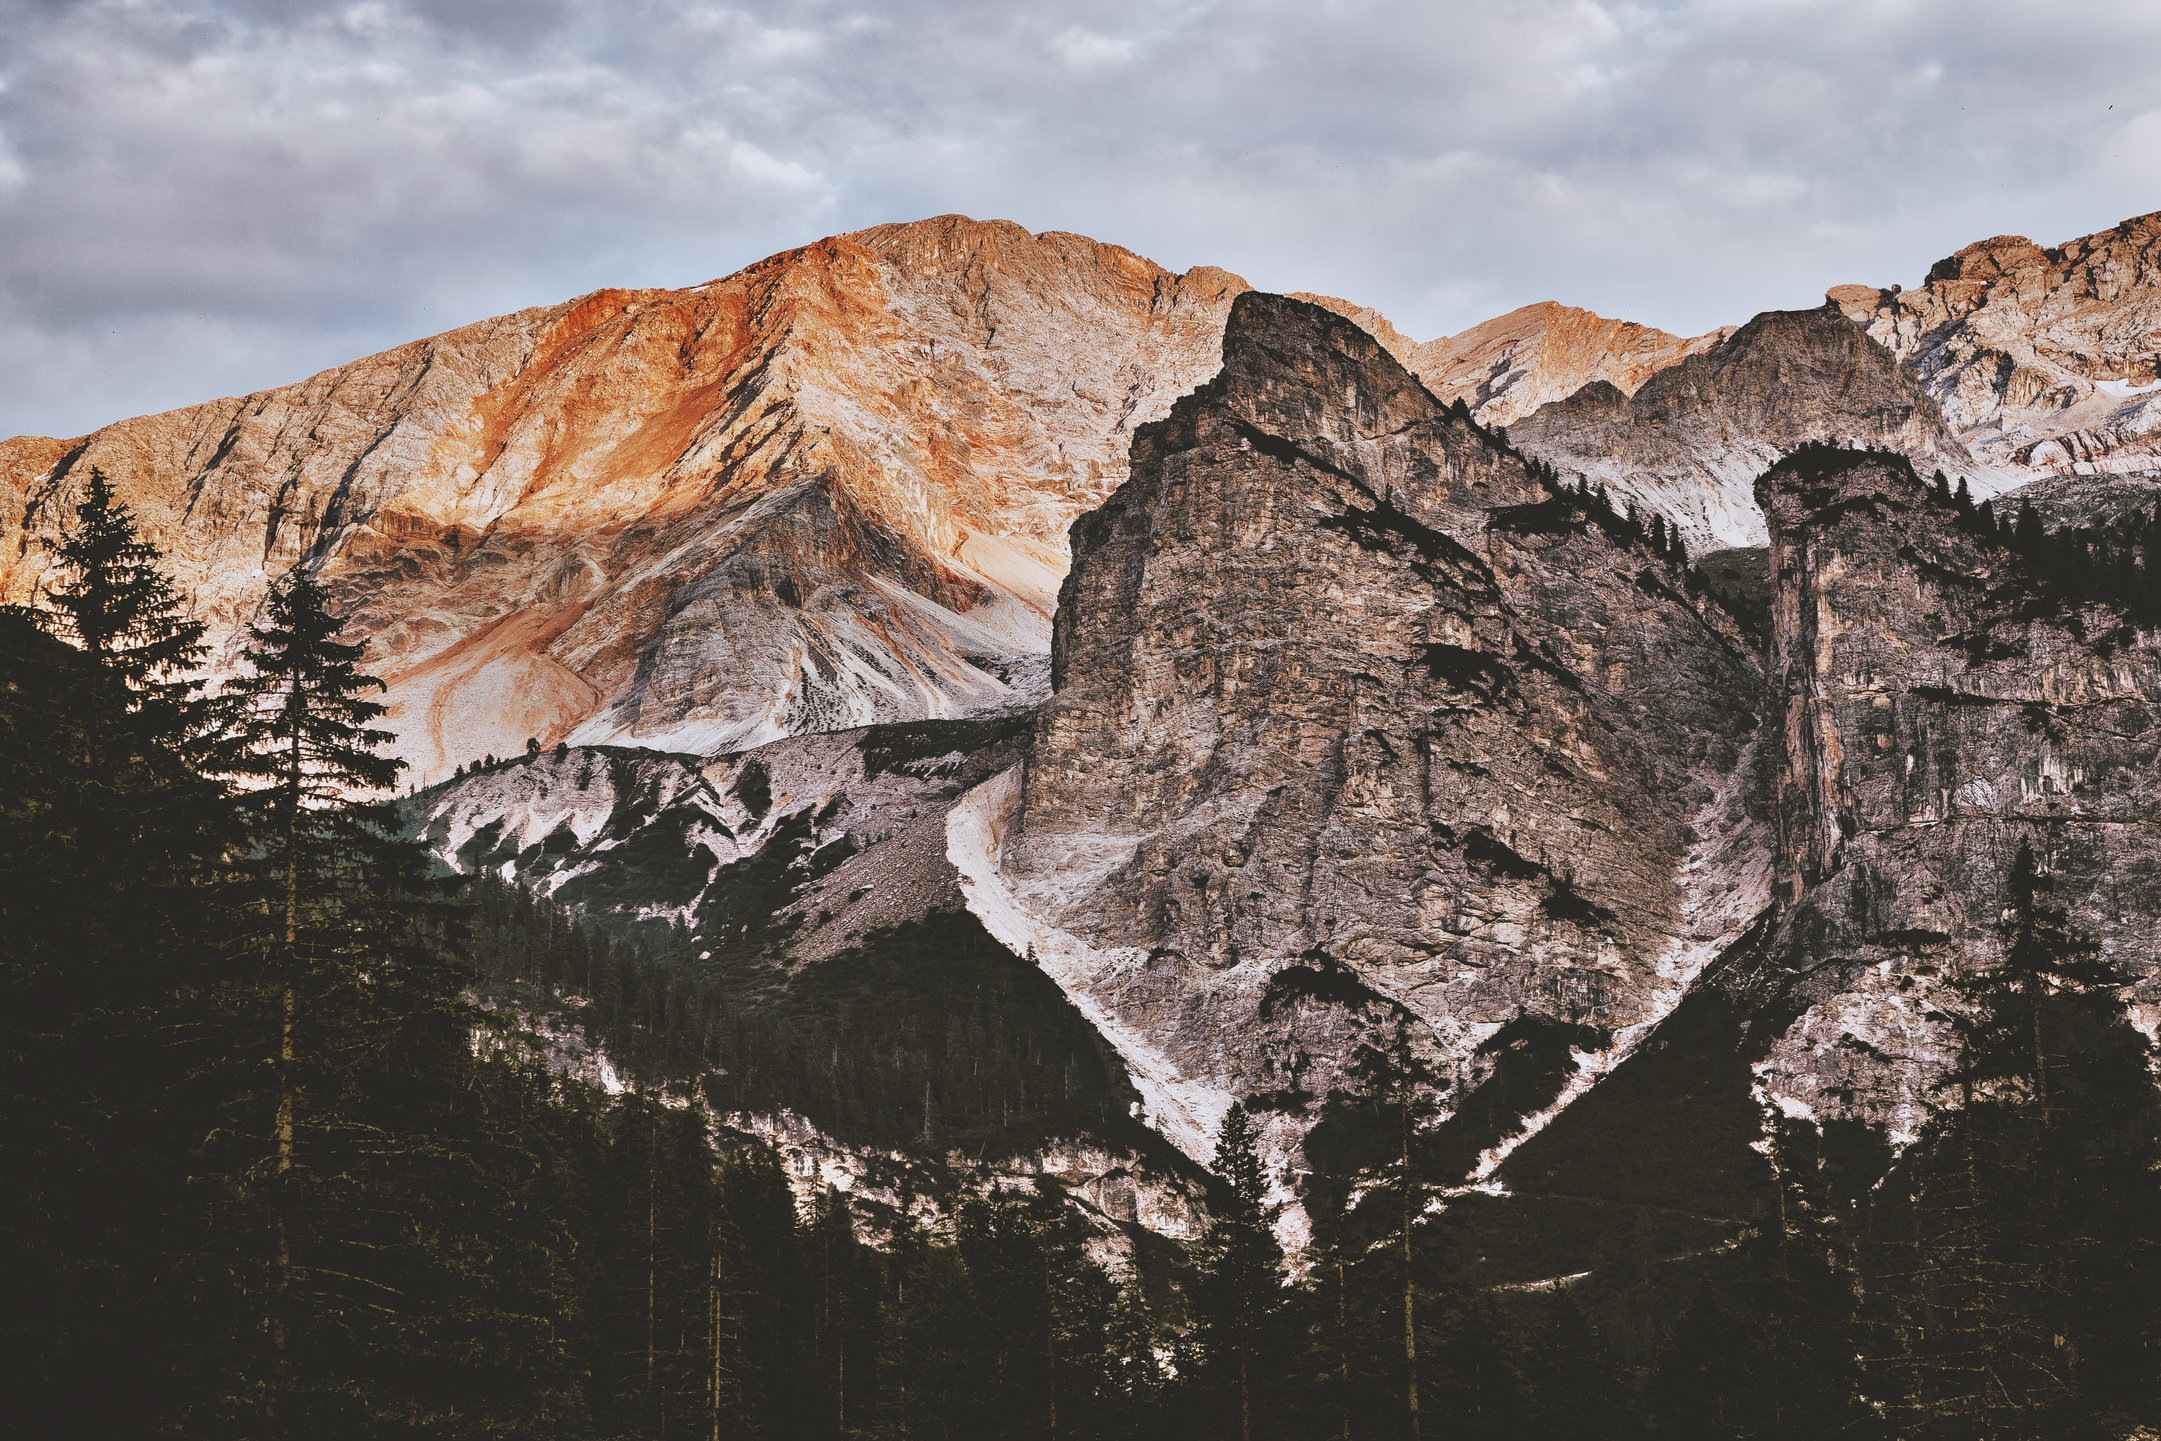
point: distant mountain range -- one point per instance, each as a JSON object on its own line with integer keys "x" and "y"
{"x": 833, "y": 488}
{"x": 1515, "y": 714}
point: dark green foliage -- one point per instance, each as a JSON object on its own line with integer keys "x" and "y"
{"x": 114, "y": 914}
{"x": 111, "y": 599}
{"x": 929, "y": 1034}
{"x": 1740, "y": 580}
{"x": 1241, "y": 1346}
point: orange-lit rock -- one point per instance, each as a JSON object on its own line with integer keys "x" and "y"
{"x": 2043, "y": 360}
{"x": 829, "y": 490}
{"x": 1507, "y": 367}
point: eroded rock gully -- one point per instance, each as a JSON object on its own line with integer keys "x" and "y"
{"x": 1362, "y": 734}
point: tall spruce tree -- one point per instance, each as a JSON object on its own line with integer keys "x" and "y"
{"x": 112, "y": 913}
{"x": 1238, "y": 1290}
{"x": 109, "y": 596}
{"x": 364, "y": 1169}
{"x": 116, "y": 911}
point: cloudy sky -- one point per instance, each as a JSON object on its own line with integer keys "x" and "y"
{"x": 200, "y": 197}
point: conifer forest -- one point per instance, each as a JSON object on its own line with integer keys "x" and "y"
{"x": 287, "y": 1158}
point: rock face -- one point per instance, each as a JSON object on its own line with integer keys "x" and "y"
{"x": 1693, "y": 438}
{"x": 816, "y": 839}
{"x": 2088, "y": 502}
{"x": 827, "y": 491}
{"x": 1511, "y": 365}
{"x": 2042, "y": 360}
{"x": 1939, "y": 707}
{"x": 1361, "y": 733}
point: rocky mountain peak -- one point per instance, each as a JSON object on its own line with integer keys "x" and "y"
{"x": 1250, "y": 829}
{"x": 1694, "y": 436}
{"x": 2042, "y": 360}
{"x": 829, "y": 490}
{"x": 1987, "y": 261}
{"x": 1509, "y": 366}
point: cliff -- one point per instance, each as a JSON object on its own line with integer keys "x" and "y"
{"x": 1692, "y": 439}
{"x": 1940, "y": 705}
{"x": 1362, "y": 734}
{"x": 2042, "y": 360}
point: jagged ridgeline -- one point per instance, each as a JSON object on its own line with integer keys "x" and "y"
{"x": 1429, "y": 800}
{"x": 1651, "y": 989}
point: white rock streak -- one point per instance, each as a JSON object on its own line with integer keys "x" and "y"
{"x": 1188, "y": 1112}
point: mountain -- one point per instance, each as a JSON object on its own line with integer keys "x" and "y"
{"x": 809, "y": 843}
{"x": 1946, "y": 704}
{"x": 1378, "y": 757}
{"x": 2013, "y": 363}
{"x": 1363, "y": 734}
{"x": 832, "y": 489}
{"x": 1509, "y": 366}
{"x": 829, "y": 490}
{"x": 1694, "y": 436}
{"x": 1361, "y": 749}
{"x": 2042, "y": 360}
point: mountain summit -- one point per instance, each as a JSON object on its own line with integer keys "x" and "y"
{"x": 828, "y": 490}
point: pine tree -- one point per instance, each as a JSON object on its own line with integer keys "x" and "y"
{"x": 116, "y": 911}
{"x": 113, "y": 914}
{"x": 1238, "y": 1290}
{"x": 358, "y": 1008}
{"x": 112, "y": 599}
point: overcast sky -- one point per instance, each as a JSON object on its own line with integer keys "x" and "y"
{"x": 202, "y": 197}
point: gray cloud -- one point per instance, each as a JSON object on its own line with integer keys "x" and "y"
{"x": 204, "y": 196}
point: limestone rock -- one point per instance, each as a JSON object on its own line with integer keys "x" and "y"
{"x": 1361, "y": 734}
{"x": 816, "y": 840}
{"x": 2042, "y": 360}
{"x": 827, "y": 491}
{"x": 1939, "y": 706}
{"x": 1507, "y": 367}
{"x": 1693, "y": 438}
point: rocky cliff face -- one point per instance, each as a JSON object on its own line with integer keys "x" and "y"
{"x": 1362, "y": 735}
{"x": 829, "y": 490}
{"x": 1939, "y": 706}
{"x": 2042, "y": 360}
{"x": 1692, "y": 439}
{"x": 832, "y": 489}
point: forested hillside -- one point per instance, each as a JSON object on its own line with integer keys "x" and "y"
{"x": 291, "y": 1151}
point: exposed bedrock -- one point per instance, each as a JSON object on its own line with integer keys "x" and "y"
{"x": 1362, "y": 735}
{"x": 828, "y": 491}
{"x": 1692, "y": 439}
{"x": 2043, "y": 360}
{"x": 1940, "y": 705}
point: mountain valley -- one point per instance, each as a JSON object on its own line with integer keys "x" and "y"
{"x": 1265, "y": 711}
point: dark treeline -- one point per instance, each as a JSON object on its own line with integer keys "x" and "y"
{"x": 273, "y": 1170}
{"x": 2117, "y": 560}
{"x": 926, "y": 1035}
